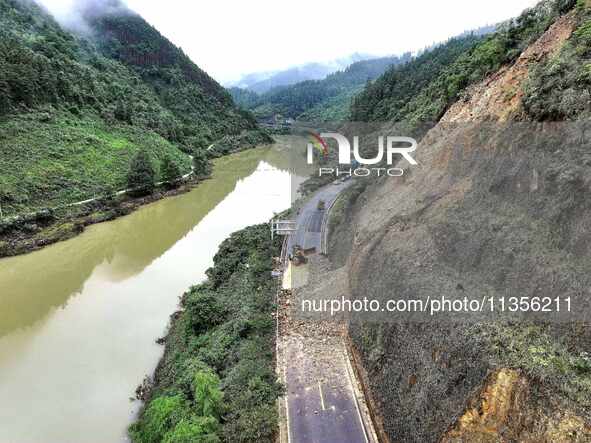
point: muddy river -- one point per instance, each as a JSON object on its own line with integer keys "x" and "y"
{"x": 79, "y": 319}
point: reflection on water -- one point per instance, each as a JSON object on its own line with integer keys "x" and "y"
{"x": 78, "y": 319}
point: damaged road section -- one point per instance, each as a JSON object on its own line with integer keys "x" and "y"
{"x": 323, "y": 402}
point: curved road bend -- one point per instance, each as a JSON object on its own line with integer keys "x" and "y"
{"x": 309, "y": 219}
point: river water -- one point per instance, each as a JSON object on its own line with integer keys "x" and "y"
{"x": 79, "y": 319}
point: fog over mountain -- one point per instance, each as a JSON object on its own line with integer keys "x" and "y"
{"x": 261, "y": 82}
{"x": 73, "y": 14}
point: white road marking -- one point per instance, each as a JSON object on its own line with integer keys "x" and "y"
{"x": 287, "y": 405}
{"x": 350, "y": 380}
{"x": 321, "y": 396}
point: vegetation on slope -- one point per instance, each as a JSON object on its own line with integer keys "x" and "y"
{"x": 203, "y": 111}
{"x": 72, "y": 116}
{"x": 421, "y": 91}
{"x": 293, "y": 101}
{"x": 217, "y": 379}
{"x": 560, "y": 88}
{"x": 244, "y": 97}
{"x": 333, "y": 109}
{"x": 387, "y": 97}
{"x": 70, "y": 158}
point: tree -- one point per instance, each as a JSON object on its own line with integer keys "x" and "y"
{"x": 201, "y": 163}
{"x": 141, "y": 176}
{"x": 205, "y": 309}
{"x": 169, "y": 170}
{"x": 122, "y": 112}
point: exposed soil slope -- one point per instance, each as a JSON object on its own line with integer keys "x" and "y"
{"x": 499, "y": 96}
{"x": 494, "y": 208}
{"x": 504, "y": 411}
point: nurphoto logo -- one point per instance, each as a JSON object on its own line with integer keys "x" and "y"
{"x": 390, "y": 148}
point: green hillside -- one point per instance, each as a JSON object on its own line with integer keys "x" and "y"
{"x": 74, "y": 110}
{"x": 334, "y": 108}
{"x": 317, "y": 99}
{"x": 560, "y": 88}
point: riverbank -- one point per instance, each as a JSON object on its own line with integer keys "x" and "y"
{"x": 109, "y": 294}
{"x": 217, "y": 380}
{"x": 46, "y": 227}
{"x": 51, "y": 226}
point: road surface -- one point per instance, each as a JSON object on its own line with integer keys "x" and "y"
{"x": 309, "y": 219}
{"x": 322, "y": 399}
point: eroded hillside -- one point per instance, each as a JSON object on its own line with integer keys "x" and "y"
{"x": 496, "y": 207}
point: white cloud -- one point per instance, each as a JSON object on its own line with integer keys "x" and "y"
{"x": 228, "y": 38}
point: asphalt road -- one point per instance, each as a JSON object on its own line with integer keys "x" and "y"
{"x": 309, "y": 219}
{"x": 321, "y": 402}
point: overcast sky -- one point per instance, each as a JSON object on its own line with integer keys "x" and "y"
{"x": 228, "y": 38}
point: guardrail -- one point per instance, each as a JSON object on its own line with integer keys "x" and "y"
{"x": 324, "y": 226}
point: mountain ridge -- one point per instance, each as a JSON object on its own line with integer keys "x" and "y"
{"x": 261, "y": 82}
{"x": 75, "y": 108}
{"x": 313, "y": 95}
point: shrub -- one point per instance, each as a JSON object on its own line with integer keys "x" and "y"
{"x": 201, "y": 163}
{"x": 169, "y": 170}
{"x": 208, "y": 397}
{"x": 161, "y": 415}
{"x": 194, "y": 430}
{"x": 204, "y": 309}
{"x": 141, "y": 177}
{"x": 559, "y": 88}
{"x": 582, "y": 37}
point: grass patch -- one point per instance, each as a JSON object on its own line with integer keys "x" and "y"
{"x": 543, "y": 357}
{"x": 49, "y": 163}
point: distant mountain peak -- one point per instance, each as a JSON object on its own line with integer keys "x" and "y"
{"x": 261, "y": 82}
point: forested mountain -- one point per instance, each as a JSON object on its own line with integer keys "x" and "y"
{"x": 422, "y": 90}
{"x": 331, "y": 98}
{"x": 386, "y": 96}
{"x": 323, "y": 99}
{"x": 74, "y": 109}
{"x": 261, "y": 82}
{"x": 244, "y": 98}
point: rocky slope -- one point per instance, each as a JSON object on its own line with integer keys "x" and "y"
{"x": 494, "y": 208}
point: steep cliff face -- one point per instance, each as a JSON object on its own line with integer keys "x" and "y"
{"x": 497, "y": 208}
